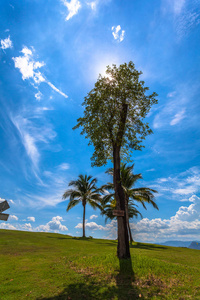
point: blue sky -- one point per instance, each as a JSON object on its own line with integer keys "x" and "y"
{"x": 50, "y": 56}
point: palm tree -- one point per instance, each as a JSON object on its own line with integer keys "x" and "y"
{"x": 109, "y": 204}
{"x": 84, "y": 191}
{"x": 142, "y": 195}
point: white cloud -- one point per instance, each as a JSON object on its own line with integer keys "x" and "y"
{"x": 111, "y": 227}
{"x": 93, "y": 217}
{"x": 26, "y": 227}
{"x": 93, "y": 4}
{"x": 57, "y": 90}
{"x": 7, "y": 43}
{"x": 54, "y": 225}
{"x": 42, "y": 109}
{"x": 64, "y": 166}
{"x": 146, "y": 225}
{"x": 7, "y": 226}
{"x": 117, "y": 33}
{"x": 73, "y": 7}
{"x": 190, "y": 213}
{"x": 13, "y": 217}
{"x": 150, "y": 170}
{"x": 31, "y": 219}
{"x": 28, "y": 67}
{"x": 185, "y": 191}
{"x": 11, "y": 201}
{"x": 178, "y": 117}
{"x": 185, "y": 225}
{"x": 38, "y": 96}
{"x": 58, "y": 218}
{"x": 90, "y": 225}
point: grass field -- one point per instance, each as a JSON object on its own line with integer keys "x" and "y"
{"x": 53, "y": 266}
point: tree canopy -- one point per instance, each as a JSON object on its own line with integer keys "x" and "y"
{"x": 114, "y": 112}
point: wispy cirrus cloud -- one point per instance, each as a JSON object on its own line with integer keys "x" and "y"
{"x": 31, "y": 135}
{"x": 183, "y": 184}
{"x": 29, "y": 68}
{"x": 54, "y": 183}
{"x": 186, "y": 15}
{"x": 95, "y": 3}
{"x": 178, "y": 105}
{"x": 174, "y": 6}
{"x": 178, "y": 117}
{"x": 178, "y": 6}
{"x": 64, "y": 166}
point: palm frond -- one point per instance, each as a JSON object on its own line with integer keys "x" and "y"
{"x": 72, "y": 203}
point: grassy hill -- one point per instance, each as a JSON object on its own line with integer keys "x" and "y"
{"x": 53, "y": 266}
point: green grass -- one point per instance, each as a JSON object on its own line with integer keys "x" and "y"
{"x": 52, "y": 266}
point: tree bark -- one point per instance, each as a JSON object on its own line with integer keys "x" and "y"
{"x": 127, "y": 219}
{"x": 130, "y": 234}
{"x": 123, "y": 250}
{"x": 83, "y": 220}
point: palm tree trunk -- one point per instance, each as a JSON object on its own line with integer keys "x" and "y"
{"x": 127, "y": 219}
{"x": 84, "y": 220}
{"x": 130, "y": 234}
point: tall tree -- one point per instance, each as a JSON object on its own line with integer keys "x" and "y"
{"x": 84, "y": 191}
{"x": 142, "y": 195}
{"x": 113, "y": 121}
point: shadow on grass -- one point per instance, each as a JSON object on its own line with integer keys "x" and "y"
{"x": 120, "y": 287}
{"x": 88, "y": 239}
{"x": 148, "y": 246}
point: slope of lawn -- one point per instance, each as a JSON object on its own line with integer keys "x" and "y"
{"x": 54, "y": 266}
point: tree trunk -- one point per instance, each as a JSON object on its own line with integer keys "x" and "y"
{"x": 127, "y": 219}
{"x": 83, "y": 220}
{"x": 123, "y": 250}
{"x": 130, "y": 234}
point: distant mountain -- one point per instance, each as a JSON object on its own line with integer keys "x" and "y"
{"x": 194, "y": 245}
{"x": 176, "y": 244}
